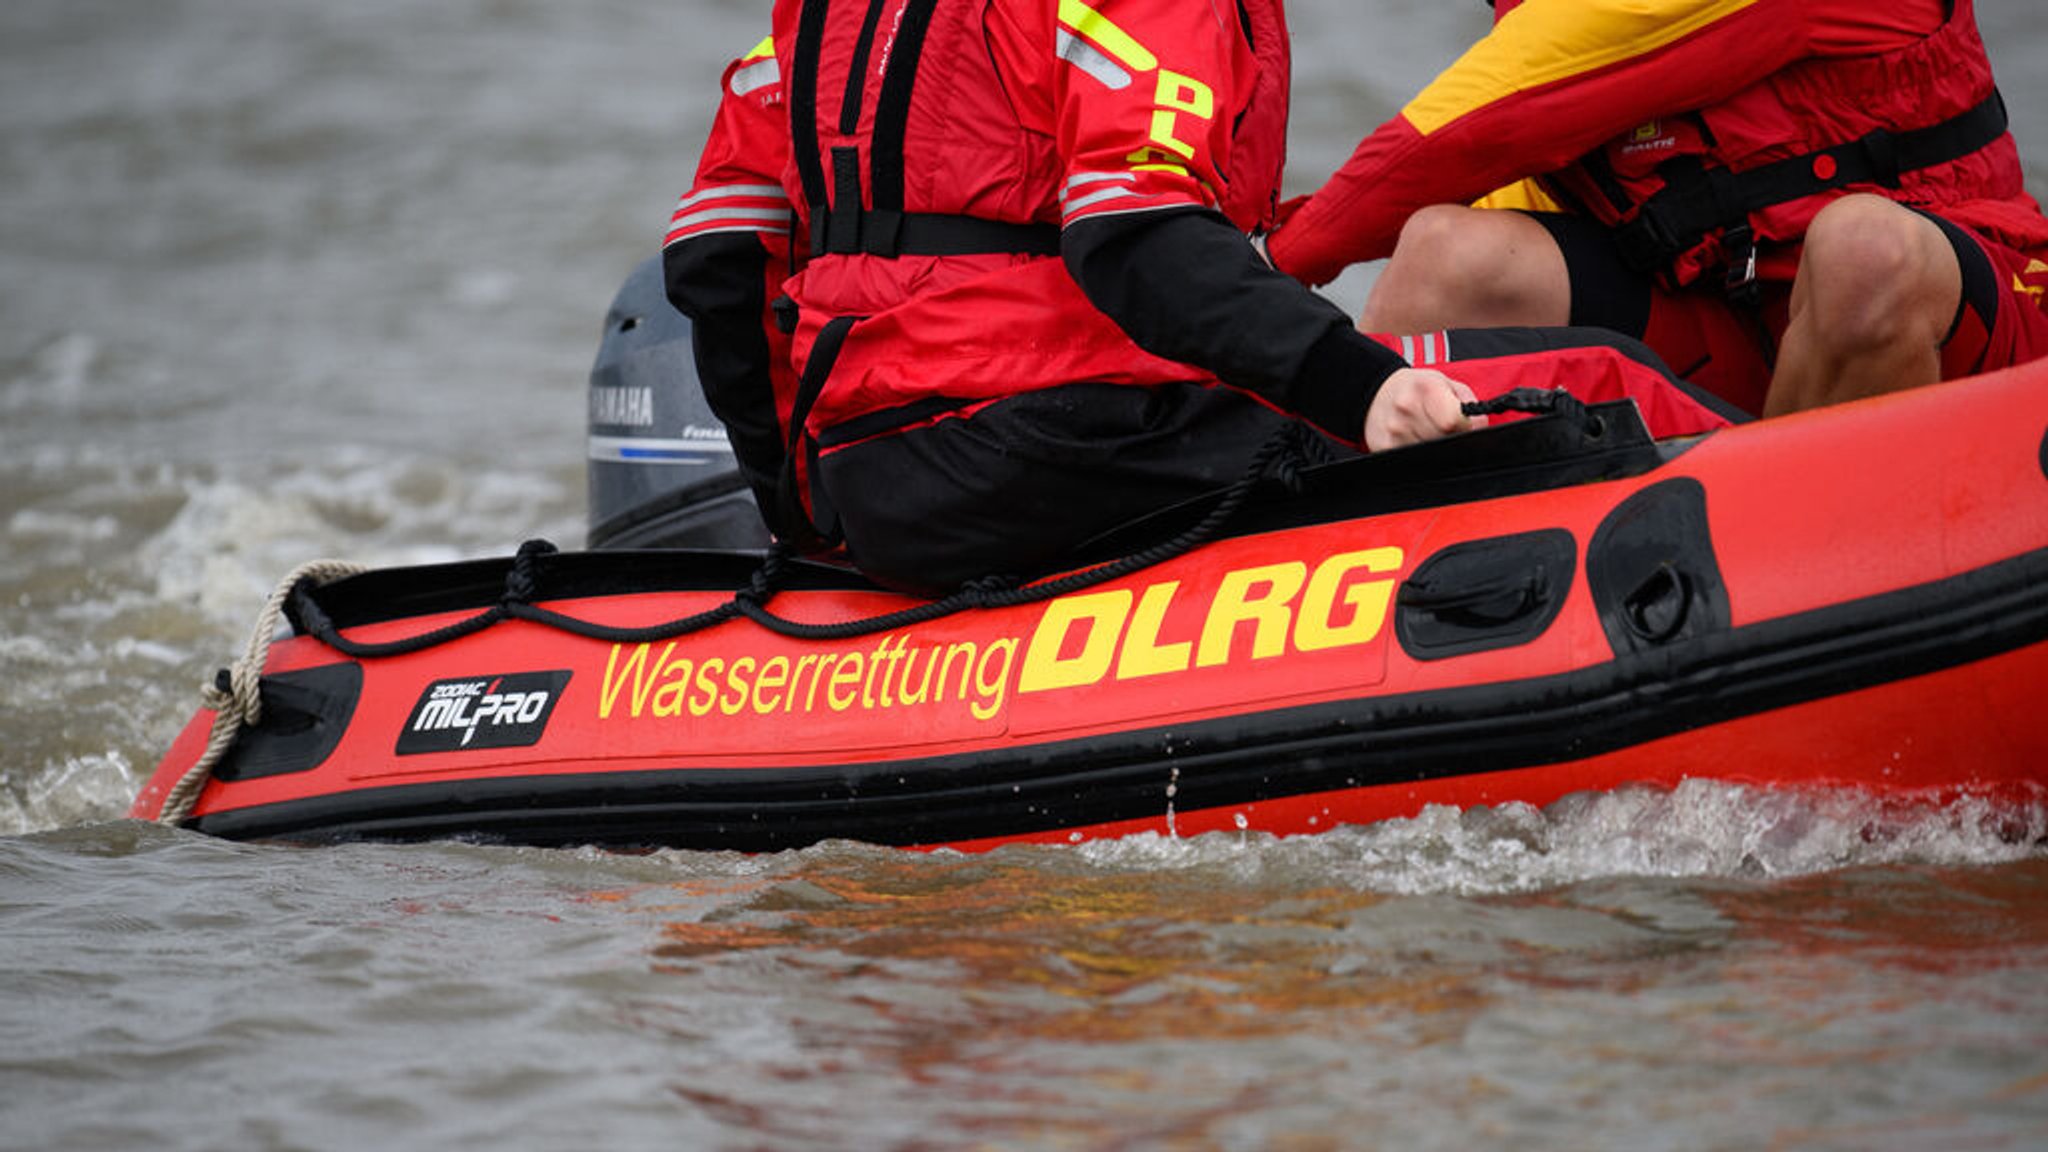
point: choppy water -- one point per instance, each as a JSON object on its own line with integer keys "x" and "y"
{"x": 282, "y": 279}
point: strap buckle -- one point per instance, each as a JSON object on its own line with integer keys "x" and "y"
{"x": 1739, "y": 282}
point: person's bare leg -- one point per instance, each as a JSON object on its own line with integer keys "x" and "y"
{"x": 1875, "y": 295}
{"x": 1458, "y": 267}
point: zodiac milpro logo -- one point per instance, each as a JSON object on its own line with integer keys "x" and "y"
{"x": 508, "y": 711}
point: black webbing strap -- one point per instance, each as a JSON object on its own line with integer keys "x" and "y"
{"x": 892, "y": 106}
{"x": 879, "y": 232}
{"x": 789, "y": 500}
{"x": 1695, "y": 200}
{"x": 840, "y": 231}
{"x": 840, "y": 224}
{"x": 803, "y": 101}
{"x": 857, "y": 72}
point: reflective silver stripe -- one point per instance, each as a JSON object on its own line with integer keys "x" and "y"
{"x": 1072, "y": 206}
{"x": 1080, "y": 179}
{"x": 677, "y": 237}
{"x": 759, "y": 74}
{"x": 706, "y": 216}
{"x": 1087, "y": 58}
{"x": 724, "y": 191}
{"x": 1168, "y": 206}
{"x": 1429, "y": 348}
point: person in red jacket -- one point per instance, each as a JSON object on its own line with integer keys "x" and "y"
{"x": 971, "y": 283}
{"x": 1795, "y": 202}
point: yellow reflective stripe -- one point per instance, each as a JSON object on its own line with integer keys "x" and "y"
{"x": 1540, "y": 43}
{"x": 1086, "y": 21}
{"x": 765, "y": 48}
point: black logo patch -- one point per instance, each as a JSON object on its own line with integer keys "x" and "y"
{"x": 509, "y": 711}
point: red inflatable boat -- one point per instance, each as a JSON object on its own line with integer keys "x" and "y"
{"x": 1854, "y": 597}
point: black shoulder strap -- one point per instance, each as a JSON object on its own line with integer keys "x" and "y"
{"x": 840, "y": 223}
{"x": 892, "y": 107}
{"x": 803, "y": 102}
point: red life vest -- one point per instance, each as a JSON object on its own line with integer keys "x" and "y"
{"x": 1703, "y": 192}
{"x": 931, "y": 166}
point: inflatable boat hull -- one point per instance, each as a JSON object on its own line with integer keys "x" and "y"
{"x": 1851, "y": 598}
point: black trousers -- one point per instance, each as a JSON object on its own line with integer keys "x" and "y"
{"x": 929, "y": 499}
{"x": 1014, "y": 488}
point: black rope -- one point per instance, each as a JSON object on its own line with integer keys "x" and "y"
{"x": 317, "y": 624}
{"x": 668, "y": 630}
{"x": 1536, "y": 401}
{"x": 522, "y": 582}
{"x": 1274, "y": 460}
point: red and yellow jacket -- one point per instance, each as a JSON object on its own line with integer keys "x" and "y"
{"x": 1612, "y": 102}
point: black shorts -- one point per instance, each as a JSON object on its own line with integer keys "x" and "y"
{"x": 1727, "y": 348}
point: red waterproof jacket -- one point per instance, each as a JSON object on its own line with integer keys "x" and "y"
{"x": 933, "y": 150}
{"x": 1017, "y": 116}
{"x": 1678, "y": 121}
{"x": 969, "y": 199}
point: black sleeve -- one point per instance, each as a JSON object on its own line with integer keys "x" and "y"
{"x": 1189, "y": 287}
{"x": 720, "y": 282}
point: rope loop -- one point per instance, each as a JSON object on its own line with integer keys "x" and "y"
{"x": 987, "y": 591}
{"x": 1284, "y": 458}
{"x": 767, "y": 579}
{"x": 235, "y": 696}
{"x": 522, "y": 582}
{"x": 1286, "y": 472}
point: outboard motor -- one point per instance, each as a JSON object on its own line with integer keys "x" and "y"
{"x": 662, "y": 473}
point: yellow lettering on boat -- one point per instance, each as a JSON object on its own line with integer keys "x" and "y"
{"x": 1143, "y": 654}
{"x": 707, "y": 686}
{"x": 1046, "y": 664}
{"x": 615, "y": 679}
{"x": 1255, "y": 613}
{"x": 1318, "y": 627}
{"x": 845, "y": 674}
{"x": 992, "y": 678}
{"x": 737, "y": 678}
{"x": 774, "y": 674}
{"x": 1164, "y": 629}
{"x": 1255, "y": 596}
{"x": 675, "y": 681}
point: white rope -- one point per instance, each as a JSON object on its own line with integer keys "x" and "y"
{"x": 241, "y": 705}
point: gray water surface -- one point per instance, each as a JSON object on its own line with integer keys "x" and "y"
{"x": 281, "y": 280}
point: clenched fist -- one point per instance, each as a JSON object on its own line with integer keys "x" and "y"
{"x": 1417, "y": 404}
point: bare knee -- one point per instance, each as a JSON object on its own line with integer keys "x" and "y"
{"x": 1455, "y": 266}
{"x": 1450, "y": 243}
{"x": 1876, "y": 293}
{"x": 1874, "y": 272}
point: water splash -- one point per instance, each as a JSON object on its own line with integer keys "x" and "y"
{"x": 1700, "y": 829}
